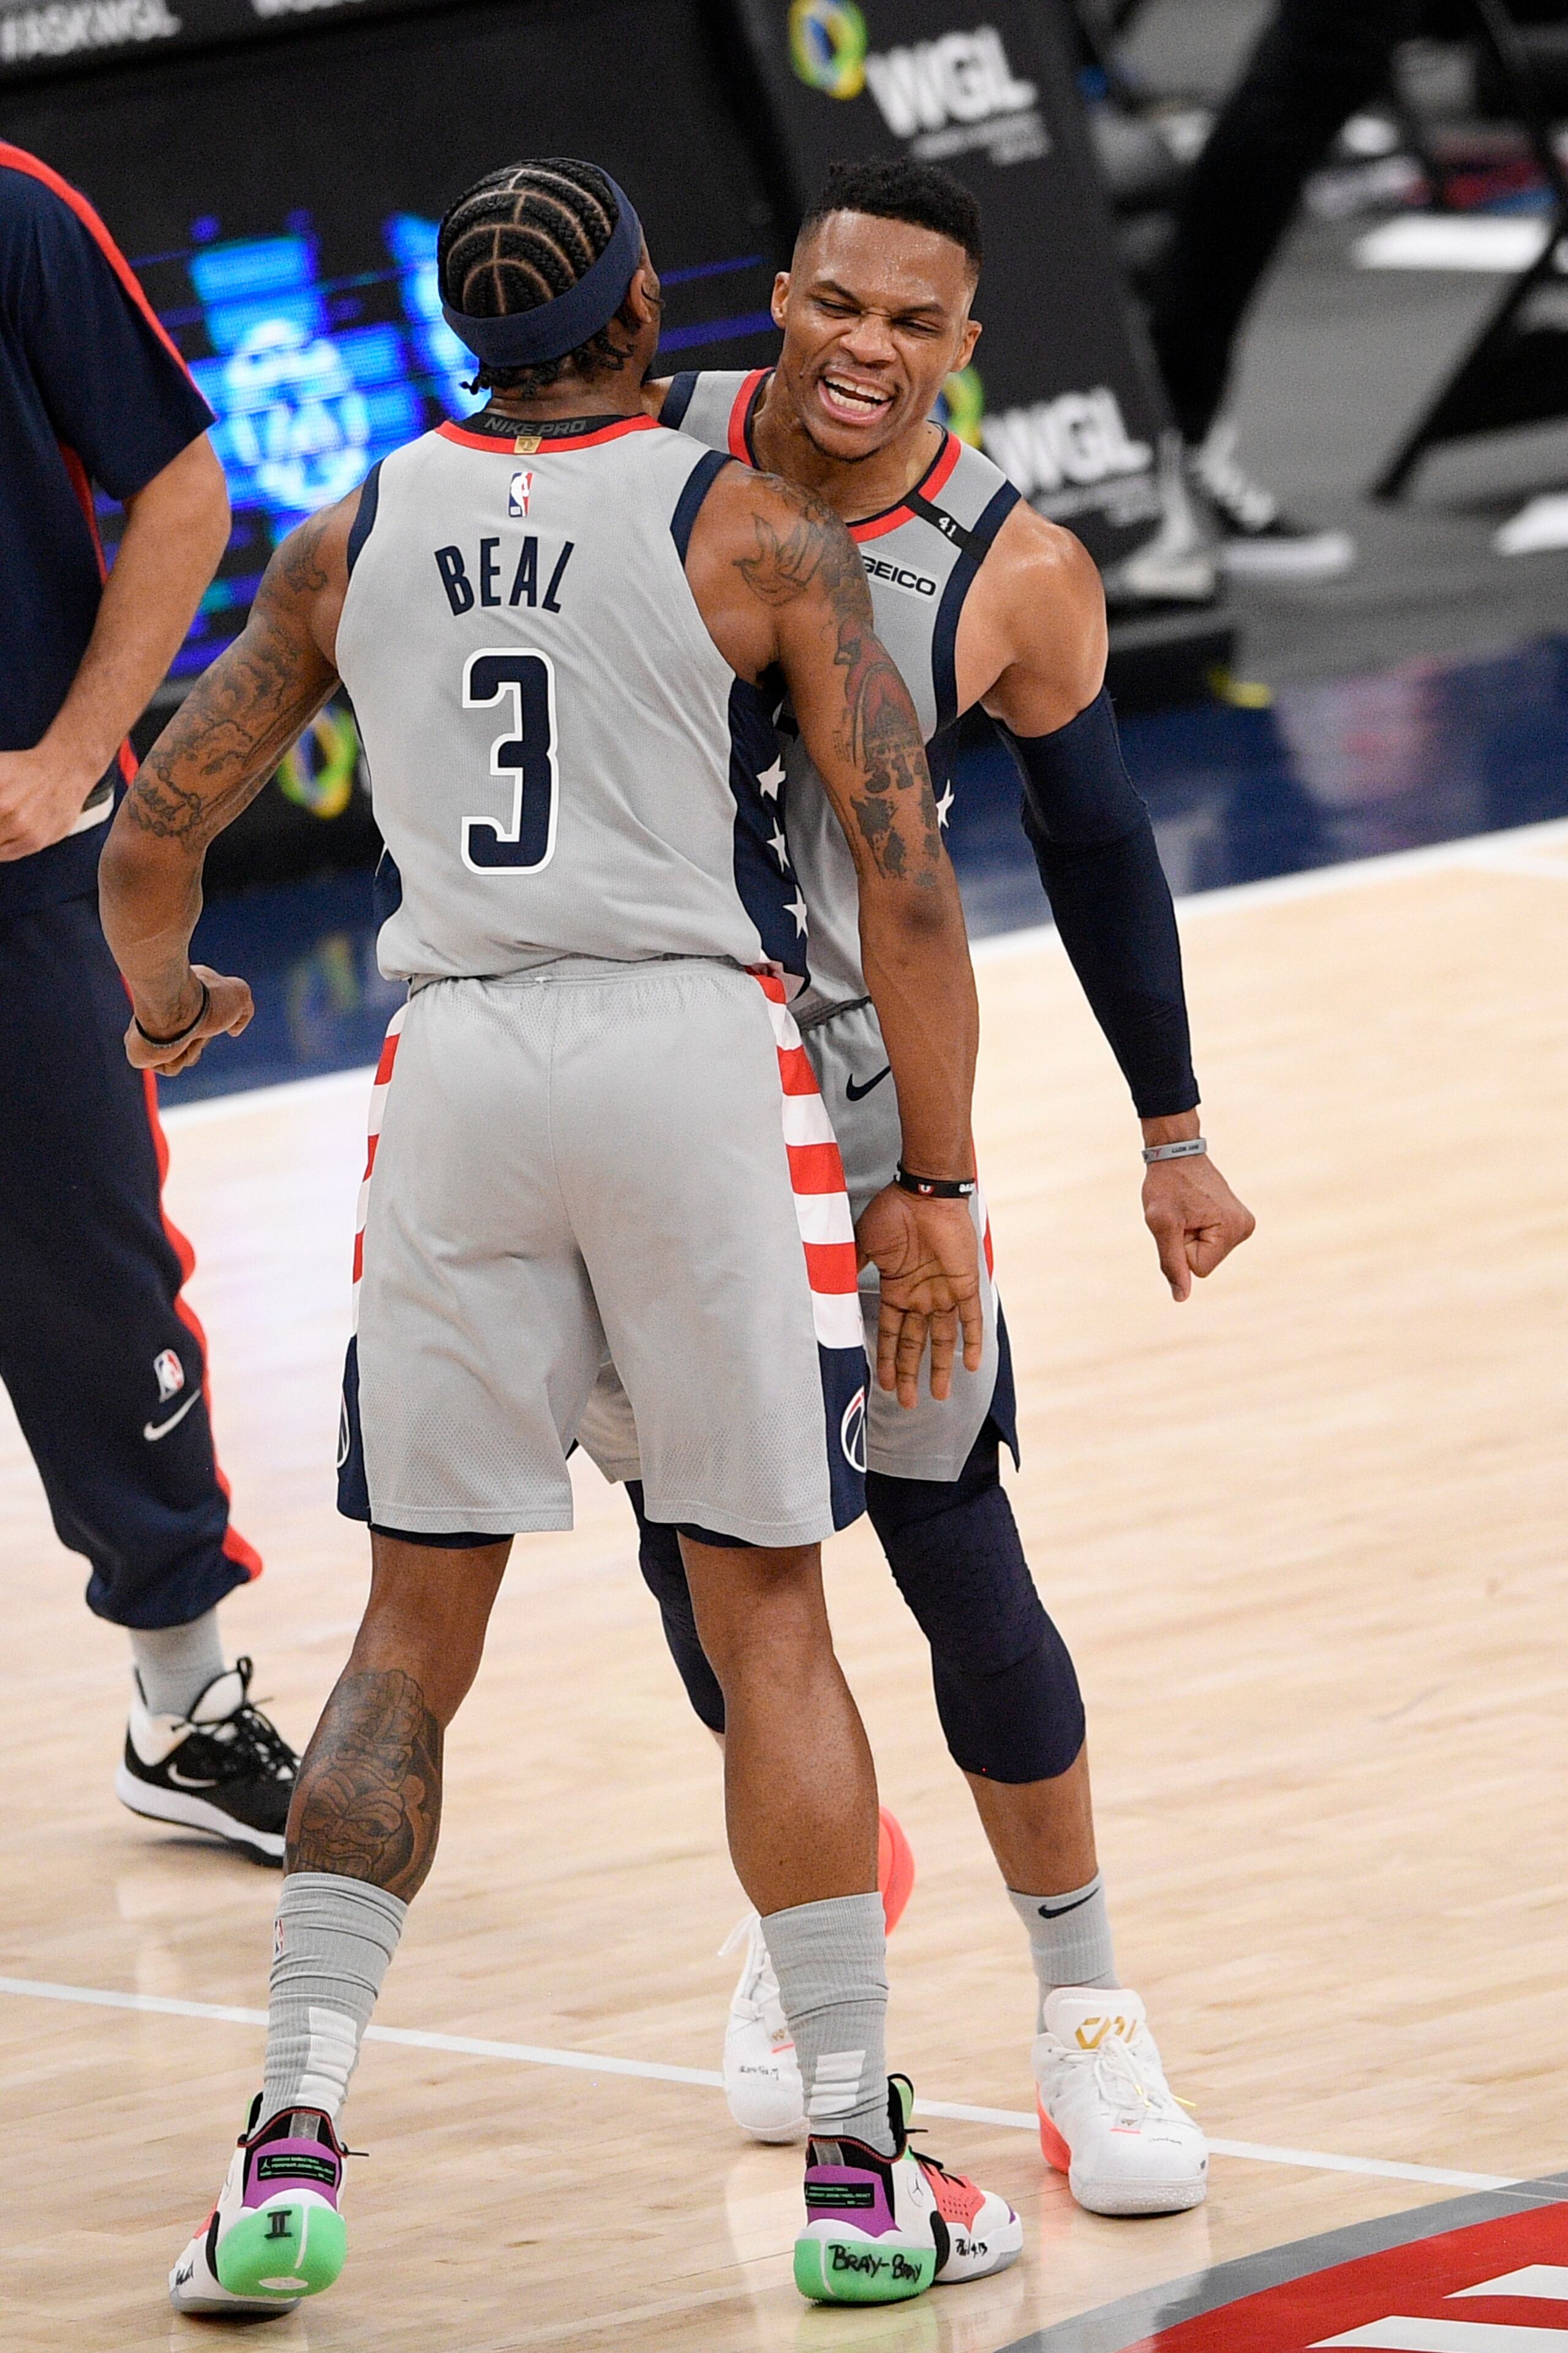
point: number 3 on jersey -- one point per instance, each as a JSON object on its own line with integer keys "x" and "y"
{"x": 523, "y": 682}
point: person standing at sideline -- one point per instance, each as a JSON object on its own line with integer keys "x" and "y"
{"x": 1314, "y": 64}
{"x": 104, "y": 1363}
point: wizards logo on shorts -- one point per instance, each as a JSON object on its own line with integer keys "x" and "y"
{"x": 852, "y": 1431}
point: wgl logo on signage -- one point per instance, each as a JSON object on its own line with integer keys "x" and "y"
{"x": 1072, "y": 453}
{"x": 945, "y": 96}
{"x": 959, "y": 92}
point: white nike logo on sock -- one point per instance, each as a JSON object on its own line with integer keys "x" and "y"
{"x": 156, "y": 1429}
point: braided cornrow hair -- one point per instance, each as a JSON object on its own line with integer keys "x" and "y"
{"x": 516, "y": 239}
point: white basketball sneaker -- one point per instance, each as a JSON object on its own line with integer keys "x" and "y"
{"x": 762, "y": 2074}
{"x": 1108, "y": 2120}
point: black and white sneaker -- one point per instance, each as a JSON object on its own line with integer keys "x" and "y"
{"x": 224, "y": 1767}
{"x": 1257, "y": 541}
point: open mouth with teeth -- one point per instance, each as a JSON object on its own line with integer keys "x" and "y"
{"x": 855, "y": 403}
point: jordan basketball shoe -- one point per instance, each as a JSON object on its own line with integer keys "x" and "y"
{"x": 277, "y": 2232}
{"x": 1108, "y": 2120}
{"x": 762, "y": 2074}
{"x": 879, "y": 2229}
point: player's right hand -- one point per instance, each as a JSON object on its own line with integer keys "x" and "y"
{"x": 928, "y": 1263}
{"x": 40, "y": 800}
{"x": 229, "y": 1009}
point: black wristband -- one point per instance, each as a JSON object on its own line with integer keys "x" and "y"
{"x": 201, "y": 1015}
{"x": 935, "y": 1189}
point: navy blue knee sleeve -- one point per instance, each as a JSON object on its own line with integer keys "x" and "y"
{"x": 664, "y": 1573}
{"x": 1005, "y": 1690}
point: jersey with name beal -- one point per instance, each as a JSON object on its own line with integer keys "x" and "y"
{"x": 562, "y": 762}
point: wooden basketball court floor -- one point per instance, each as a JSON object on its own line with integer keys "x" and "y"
{"x": 1306, "y": 1537}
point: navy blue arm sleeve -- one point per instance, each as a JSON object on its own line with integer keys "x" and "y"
{"x": 1094, "y": 846}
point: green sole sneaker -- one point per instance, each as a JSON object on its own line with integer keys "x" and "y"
{"x": 291, "y": 2247}
{"x": 857, "y": 2271}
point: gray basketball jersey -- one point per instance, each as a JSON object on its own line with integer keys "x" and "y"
{"x": 562, "y": 762}
{"x": 921, "y": 557}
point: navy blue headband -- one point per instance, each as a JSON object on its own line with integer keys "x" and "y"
{"x": 524, "y": 338}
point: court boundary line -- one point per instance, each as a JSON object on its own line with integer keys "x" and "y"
{"x": 1511, "y": 851}
{"x": 590, "y": 2063}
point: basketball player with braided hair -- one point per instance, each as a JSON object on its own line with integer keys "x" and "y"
{"x": 982, "y": 603}
{"x": 594, "y": 1128}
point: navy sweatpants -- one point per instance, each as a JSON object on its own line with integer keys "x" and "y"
{"x": 104, "y": 1364}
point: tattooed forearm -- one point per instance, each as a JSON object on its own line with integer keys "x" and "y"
{"x": 895, "y": 810}
{"x": 368, "y": 1804}
{"x": 238, "y": 719}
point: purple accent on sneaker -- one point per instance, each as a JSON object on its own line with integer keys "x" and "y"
{"x": 312, "y": 2155}
{"x": 872, "y": 2220}
{"x": 279, "y": 2159}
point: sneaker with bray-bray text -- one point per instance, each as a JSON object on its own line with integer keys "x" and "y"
{"x": 880, "y": 2230}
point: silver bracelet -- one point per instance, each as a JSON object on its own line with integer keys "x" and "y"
{"x": 1182, "y": 1151}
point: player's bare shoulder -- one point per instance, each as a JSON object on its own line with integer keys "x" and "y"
{"x": 761, "y": 545}
{"x": 1033, "y": 643}
{"x": 782, "y": 541}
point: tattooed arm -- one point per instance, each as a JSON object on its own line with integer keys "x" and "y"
{"x": 209, "y": 763}
{"x": 779, "y": 580}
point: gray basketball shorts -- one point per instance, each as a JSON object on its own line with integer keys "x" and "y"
{"x": 932, "y": 1440}
{"x": 592, "y": 1160}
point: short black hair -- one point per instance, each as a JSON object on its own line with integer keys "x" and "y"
{"x": 893, "y": 189}
{"x": 519, "y": 237}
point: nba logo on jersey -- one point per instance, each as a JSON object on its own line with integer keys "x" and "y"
{"x": 520, "y": 492}
{"x": 171, "y": 1374}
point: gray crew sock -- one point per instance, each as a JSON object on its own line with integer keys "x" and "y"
{"x": 830, "y": 1959}
{"x": 332, "y": 1946}
{"x": 1069, "y": 1937}
{"x": 174, "y": 1664}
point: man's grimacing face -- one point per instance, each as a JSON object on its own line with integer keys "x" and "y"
{"x": 875, "y": 315}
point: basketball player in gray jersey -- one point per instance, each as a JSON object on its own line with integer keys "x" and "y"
{"x": 595, "y": 1129}
{"x": 979, "y": 601}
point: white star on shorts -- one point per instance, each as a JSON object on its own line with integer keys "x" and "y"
{"x": 797, "y": 909}
{"x": 771, "y": 779}
{"x": 780, "y": 848}
{"x": 944, "y": 804}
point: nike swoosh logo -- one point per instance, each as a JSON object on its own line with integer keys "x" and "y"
{"x": 1055, "y": 1911}
{"x": 187, "y": 1781}
{"x": 854, "y": 1092}
{"x": 155, "y": 1429}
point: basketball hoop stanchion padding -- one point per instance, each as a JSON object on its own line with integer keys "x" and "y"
{"x": 1063, "y": 393}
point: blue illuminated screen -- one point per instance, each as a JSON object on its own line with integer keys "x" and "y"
{"x": 309, "y": 386}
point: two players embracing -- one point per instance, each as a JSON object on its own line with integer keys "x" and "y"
{"x": 602, "y": 1139}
